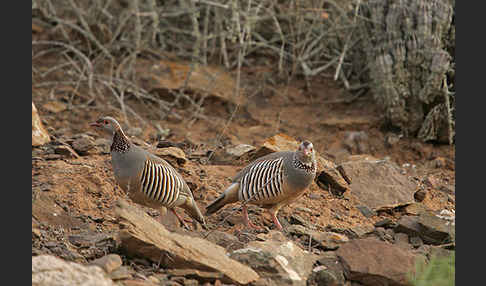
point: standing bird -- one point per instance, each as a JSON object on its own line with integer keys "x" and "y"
{"x": 148, "y": 179}
{"x": 271, "y": 182}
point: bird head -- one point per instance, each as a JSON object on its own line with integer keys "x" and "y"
{"x": 306, "y": 151}
{"x": 107, "y": 124}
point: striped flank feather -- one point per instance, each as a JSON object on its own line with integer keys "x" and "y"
{"x": 160, "y": 183}
{"x": 263, "y": 181}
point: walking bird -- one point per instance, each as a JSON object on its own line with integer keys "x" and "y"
{"x": 149, "y": 180}
{"x": 271, "y": 182}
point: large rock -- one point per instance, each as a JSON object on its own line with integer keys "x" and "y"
{"x": 329, "y": 176}
{"x": 431, "y": 228}
{"x": 48, "y": 270}
{"x": 378, "y": 184}
{"x": 145, "y": 237}
{"x": 329, "y": 272}
{"x": 434, "y": 229}
{"x": 277, "y": 260}
{"x": 39, "y": 133}
{"x": 374, "y": 262}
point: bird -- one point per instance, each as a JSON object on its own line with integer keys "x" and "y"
{"x": 148, "y": 179}
{"x": 271, "y": 182}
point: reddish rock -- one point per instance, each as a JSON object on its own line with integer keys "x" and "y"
{"x": 373, "y": 262}
{"x": 378, "y": 184}
{"x": 39, "y": 132}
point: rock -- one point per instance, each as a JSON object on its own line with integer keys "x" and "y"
{"x": 83, "y": 144}
{"x": 409, "y": 225}
{"x": 138, "y": 283}
{"x": 39, "y": 132}
{"x": 324, "y": 240}
{"x": 416, "y": 241}
{"x": 122, "y": 272}
{"x": 378, "y": 184}
{"x": 103, "y": 144}
{"x": 373, "y": 262}
{"x": 431, "y": 228}
{"x": 65, "y": 150}
{"x": 420, "y": 195}
{"x": 277, "y": 260}
{"x": 232, "y": 155}
{"x": 172, "y": 155}
{"x": 54, "y": 106}
{"x": 225, "y": 240}
{"x": 366, "y": 211}
{"x": 145, "y": 237}
{"x": 360, "y": 230}
{"x": 401, "y": 239}
{"x": 330, "y": 271}
{"x": 239, "y": 150}
{"x": 201, "y": 276}
{"x": 90, "y": 239}
{"x": 415, "y": 209}
{"x": 49, "y": 270}
{"x": 434, "y": 229}
{"x": 108, "y": 262}
{"x": 296, "y": 219}
{"x": 381, "y": 233}
{"x": 386, "y": 222}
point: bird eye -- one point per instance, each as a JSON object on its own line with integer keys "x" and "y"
{"x": 105, "y": 122}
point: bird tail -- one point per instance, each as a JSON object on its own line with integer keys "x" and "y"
{"x": 230, "y": 195}
{"x": 196, "y": 214}
{"x": 215, "y": 205}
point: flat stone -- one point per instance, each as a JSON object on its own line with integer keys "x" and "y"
{"x": 122, "y": 272}
{"x": 420, "y": 195}
{"x": 434, "y": 229}
{"x": 108, "y": 262}
{"x": 415, "y": 209}
{"x": 277, "y": 259}
{"x": 366, "y": 211}
{"x": 145, "y": 237}
{"x": 239, "y": 150}
{"x": 83, "y": 144}
{"x": 386, "y": 222}
{"x": 65, "y": 150}
{"x": 378, "y": 184}
{"x": 54, "y": 106}
{"x": 40, "y": 136}
{"x": 373, "y": 262}
{"x": 172, "y": 154}
{"x": 408, "y": 225}
{"x": 48, "y": 270}
{"x": 402, "y": 239}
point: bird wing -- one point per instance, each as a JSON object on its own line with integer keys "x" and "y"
{"x": 263, "y": 181}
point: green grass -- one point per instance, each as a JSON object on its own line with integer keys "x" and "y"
{"x": 440, "y": 271}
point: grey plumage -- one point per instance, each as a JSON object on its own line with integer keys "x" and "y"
{"x": 149, "y": 180}
{"x": 271, "y": 181}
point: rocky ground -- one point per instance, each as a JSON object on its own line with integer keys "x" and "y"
{"x": 392, "y": 204}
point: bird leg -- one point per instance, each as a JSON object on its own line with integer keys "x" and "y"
{"x": 247, "y": 221}
{"x": 181, "y": 220}
{"x": 275, "y": 219}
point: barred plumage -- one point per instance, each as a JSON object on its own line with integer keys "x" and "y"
{"x": 272, "y": 181}
{"x": 263, "y": 181}
{"x": 160, "y": 183}
{"x": 148, "y": 179}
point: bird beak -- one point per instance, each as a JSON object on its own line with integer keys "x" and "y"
{"x": 94, "y": 124}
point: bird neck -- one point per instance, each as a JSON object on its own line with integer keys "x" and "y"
{"x": 120, "y": 143}
{"x": 307, "y": 166}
